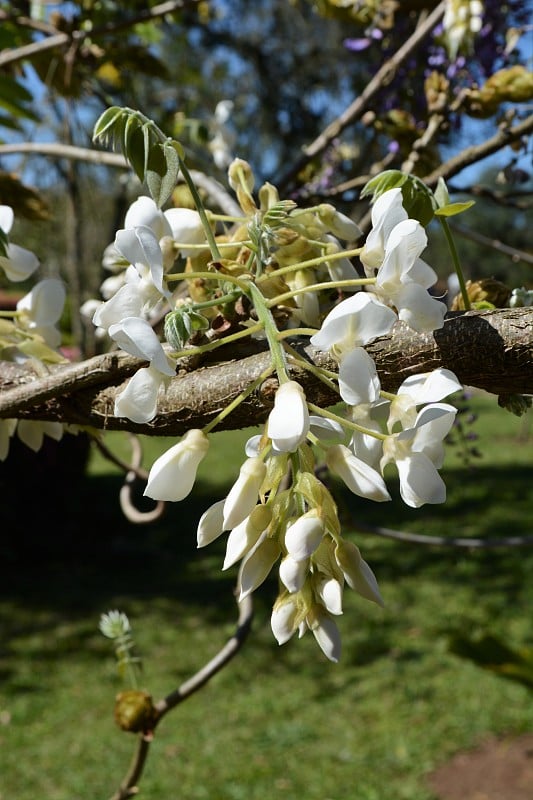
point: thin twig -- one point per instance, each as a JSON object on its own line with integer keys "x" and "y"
{"x": 354, "y": 111}
{"x": 75, "y": 37}
{"x": 128, "y": 787}
{"x": 443, "y": 541}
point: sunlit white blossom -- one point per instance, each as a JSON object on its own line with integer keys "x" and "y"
{"x": 357, "y": 573}
{"x": 418, "y": 453}
{"x": 19, "y": 263}
{"x": 257, "y": 564}
{"x": 358, "y": 378}
{"x": 243, "y": 495}
{"x": 138, "y": 401}
{"x": 211, "y": 524}
{"x": 353, "y": 322}
{"x": 304, "y": 535}
{"x": 288, "y": 422}
{"x": 137, "y": 337}
{"x": 358, "y": 476}
{"x": 173, "y": 474}
{"x": 245, "y": 535}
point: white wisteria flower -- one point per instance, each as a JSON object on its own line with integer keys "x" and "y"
{"x": 137, "y": 337}
{"x": 211, "y": 524}
{"x": 356, "y": 571}
{"x": 418, "y": 453}
{"x": 304, "y": 535}
{"x": 245, "y": 535}
{"x": 244, "y": 493}
{"x": 19, "y": 263}
{"x": 186, "y": 228}
{"x": 353, "y": 322}
{"x": 427, "y": 387}
{"x": 145, "y": 212}
{"x": 358, "y": 378}
{"x": 257, "y": 564}
{"x": 387, "y": 212}
{"x": 140, "y": 246}
{"x": 359, "y": 477}
{"x": 41, "y": 309}
{"x": 325, "y": 630}
{"x": 173, "y": 474}
{"x": 288, "y": 422}
{"x": 138, "y": 401}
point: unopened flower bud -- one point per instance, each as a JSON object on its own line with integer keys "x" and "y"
{"x": 243, "y": 495}
{"x": 358, "y": 574}
{"x": 173, "y": 474}
{"x": 288, "y": 423}
{"x": 134, "y": 711}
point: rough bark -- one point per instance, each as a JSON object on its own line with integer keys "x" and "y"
{"x": 490, "y": 350}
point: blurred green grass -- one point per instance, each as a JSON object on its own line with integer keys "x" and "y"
{"x": 278, "y": 722}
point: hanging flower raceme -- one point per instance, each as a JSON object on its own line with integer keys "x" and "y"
{"x": 274, "y": 271}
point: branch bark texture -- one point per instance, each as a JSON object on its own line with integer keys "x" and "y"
{"x": 490, "y": 350}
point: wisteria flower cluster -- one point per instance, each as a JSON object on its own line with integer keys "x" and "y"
{"x": 270, "y": 273}
{"x": 30, "y": 332}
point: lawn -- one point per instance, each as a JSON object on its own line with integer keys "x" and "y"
{"x": 278, "y": 722}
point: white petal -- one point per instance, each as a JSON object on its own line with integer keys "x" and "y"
{"x": 186, "y": 226}
{"x": 137, "y": 337}
{"x": 330, "y": 592}
{"x": 127, "y": 302}
{"x": 357, "y": 572}
{"x": 244, "y": 536}
{"x": 173, "y": 474}
{"x": 358, "y": 378}
{"x": 325, "y": 429}
{"x": 418, "y": 309}
{"x": 420, "y": 482}
{"x": 244, "y": 493}
{"x": 288, "y": 422}
{"x": 7, "y": 218}
{"x": 138, "y": 401}
{"x": 44, "y": 304}
{"x": 360, "y": 478}
{"x": 257, "y": 565}
{"x": 283, "y": 620}
{"x": 211, "y": 524}
{"x": 293, "y": 573}
{"x": 327, "y": 635}
{"x": 355, "y": 321}
{"x": 429, "y": 387}
{"x": 144, "y": 211}
{"x": 303, "y": 536}
{"x": 19, "y": 263}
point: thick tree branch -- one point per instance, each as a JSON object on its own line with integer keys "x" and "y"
{"x": 491, "y": 350}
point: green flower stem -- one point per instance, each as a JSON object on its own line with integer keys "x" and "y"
{"x": 262, "y": 308}
{"x": 315, "y": 262}
{"x": 206, "y": 348}
{"x": 456, "y": 262}
{"x": 243, "y": 284}
{"x": 387, "y": 395}
{"x": 230, "y": 297}
{"x": 346, "y": 423}
{"x": 318, "y": 287}
{"x": 238, "y": 400}
{"x": 292, "y": 332}
{"x": 220, "y": 245}
{"x": 321, "y": 374}
{"x": 201, "y": 210}
{"x": 225, "y": 217}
